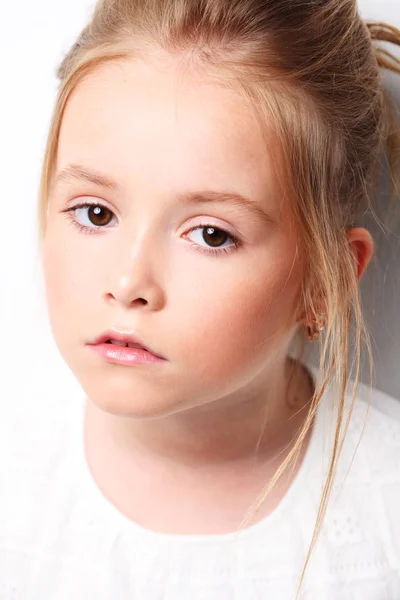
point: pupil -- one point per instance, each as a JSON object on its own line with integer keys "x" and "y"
{"x": 214, "y": 236}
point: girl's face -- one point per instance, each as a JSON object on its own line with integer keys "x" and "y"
{"x": 176, "y": 161}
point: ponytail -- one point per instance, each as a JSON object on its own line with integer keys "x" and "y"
{"x": 382, "y": 32}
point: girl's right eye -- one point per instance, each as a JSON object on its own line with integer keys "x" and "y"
{"x": 98, "y": 215}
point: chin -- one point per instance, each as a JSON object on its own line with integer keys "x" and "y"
{"x": 133, "y": 404}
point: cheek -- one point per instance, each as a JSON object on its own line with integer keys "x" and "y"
{"x": 234, "y": 328}
{"x": 63, "y": 280}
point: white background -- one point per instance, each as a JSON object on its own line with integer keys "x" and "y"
{"x": 34, "y": 36}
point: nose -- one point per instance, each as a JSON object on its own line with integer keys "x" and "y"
{"x": 133, "y": 280}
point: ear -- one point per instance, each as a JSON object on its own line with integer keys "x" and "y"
{"x": 362, "y": 246}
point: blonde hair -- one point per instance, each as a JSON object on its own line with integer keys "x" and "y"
{"x": 312, "y": 69}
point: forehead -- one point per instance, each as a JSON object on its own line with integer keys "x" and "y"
{"x": 133, "y": 120}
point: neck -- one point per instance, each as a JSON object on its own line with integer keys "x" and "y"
{"x": 250, "y": 425}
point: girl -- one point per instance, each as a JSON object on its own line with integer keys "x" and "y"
{"x": 206, "y": 165}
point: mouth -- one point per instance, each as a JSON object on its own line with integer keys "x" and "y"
{"x": 125, "y": 353}
{"x": 115, "y": 337}
{"x": 126, "y": 345}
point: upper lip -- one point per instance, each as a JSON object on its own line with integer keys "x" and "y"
{"x": 127, "y": 338}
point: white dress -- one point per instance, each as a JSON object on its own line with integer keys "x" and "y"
{"x": 61, "y": 539}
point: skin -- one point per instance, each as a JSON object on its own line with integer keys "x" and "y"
{"x": 223, "y": 322}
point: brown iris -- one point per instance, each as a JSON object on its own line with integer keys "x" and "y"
{"x": 214, "y": 236}
{"x": 99, "y": 216}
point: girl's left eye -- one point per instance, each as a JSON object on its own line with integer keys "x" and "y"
{"x": 100, "y": 216}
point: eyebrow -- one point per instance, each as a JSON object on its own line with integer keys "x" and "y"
{"x": 80, "y": 173}
{"x": 75, "y": 172}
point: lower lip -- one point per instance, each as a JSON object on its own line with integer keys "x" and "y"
{"x": 123, "y": 355}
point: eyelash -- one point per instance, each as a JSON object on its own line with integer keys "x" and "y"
{"x": 92, "y": 230}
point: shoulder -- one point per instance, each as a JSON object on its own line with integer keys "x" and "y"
{"x": 376, "y": 418}
{"x": 383, "y": 403}
{"x": 373, "y": 427}
{"x": 372, "y": 438}
{"x": 366, "y": 489}
{"x": 373, "y": 434}
{"x": 36, "y": 431}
